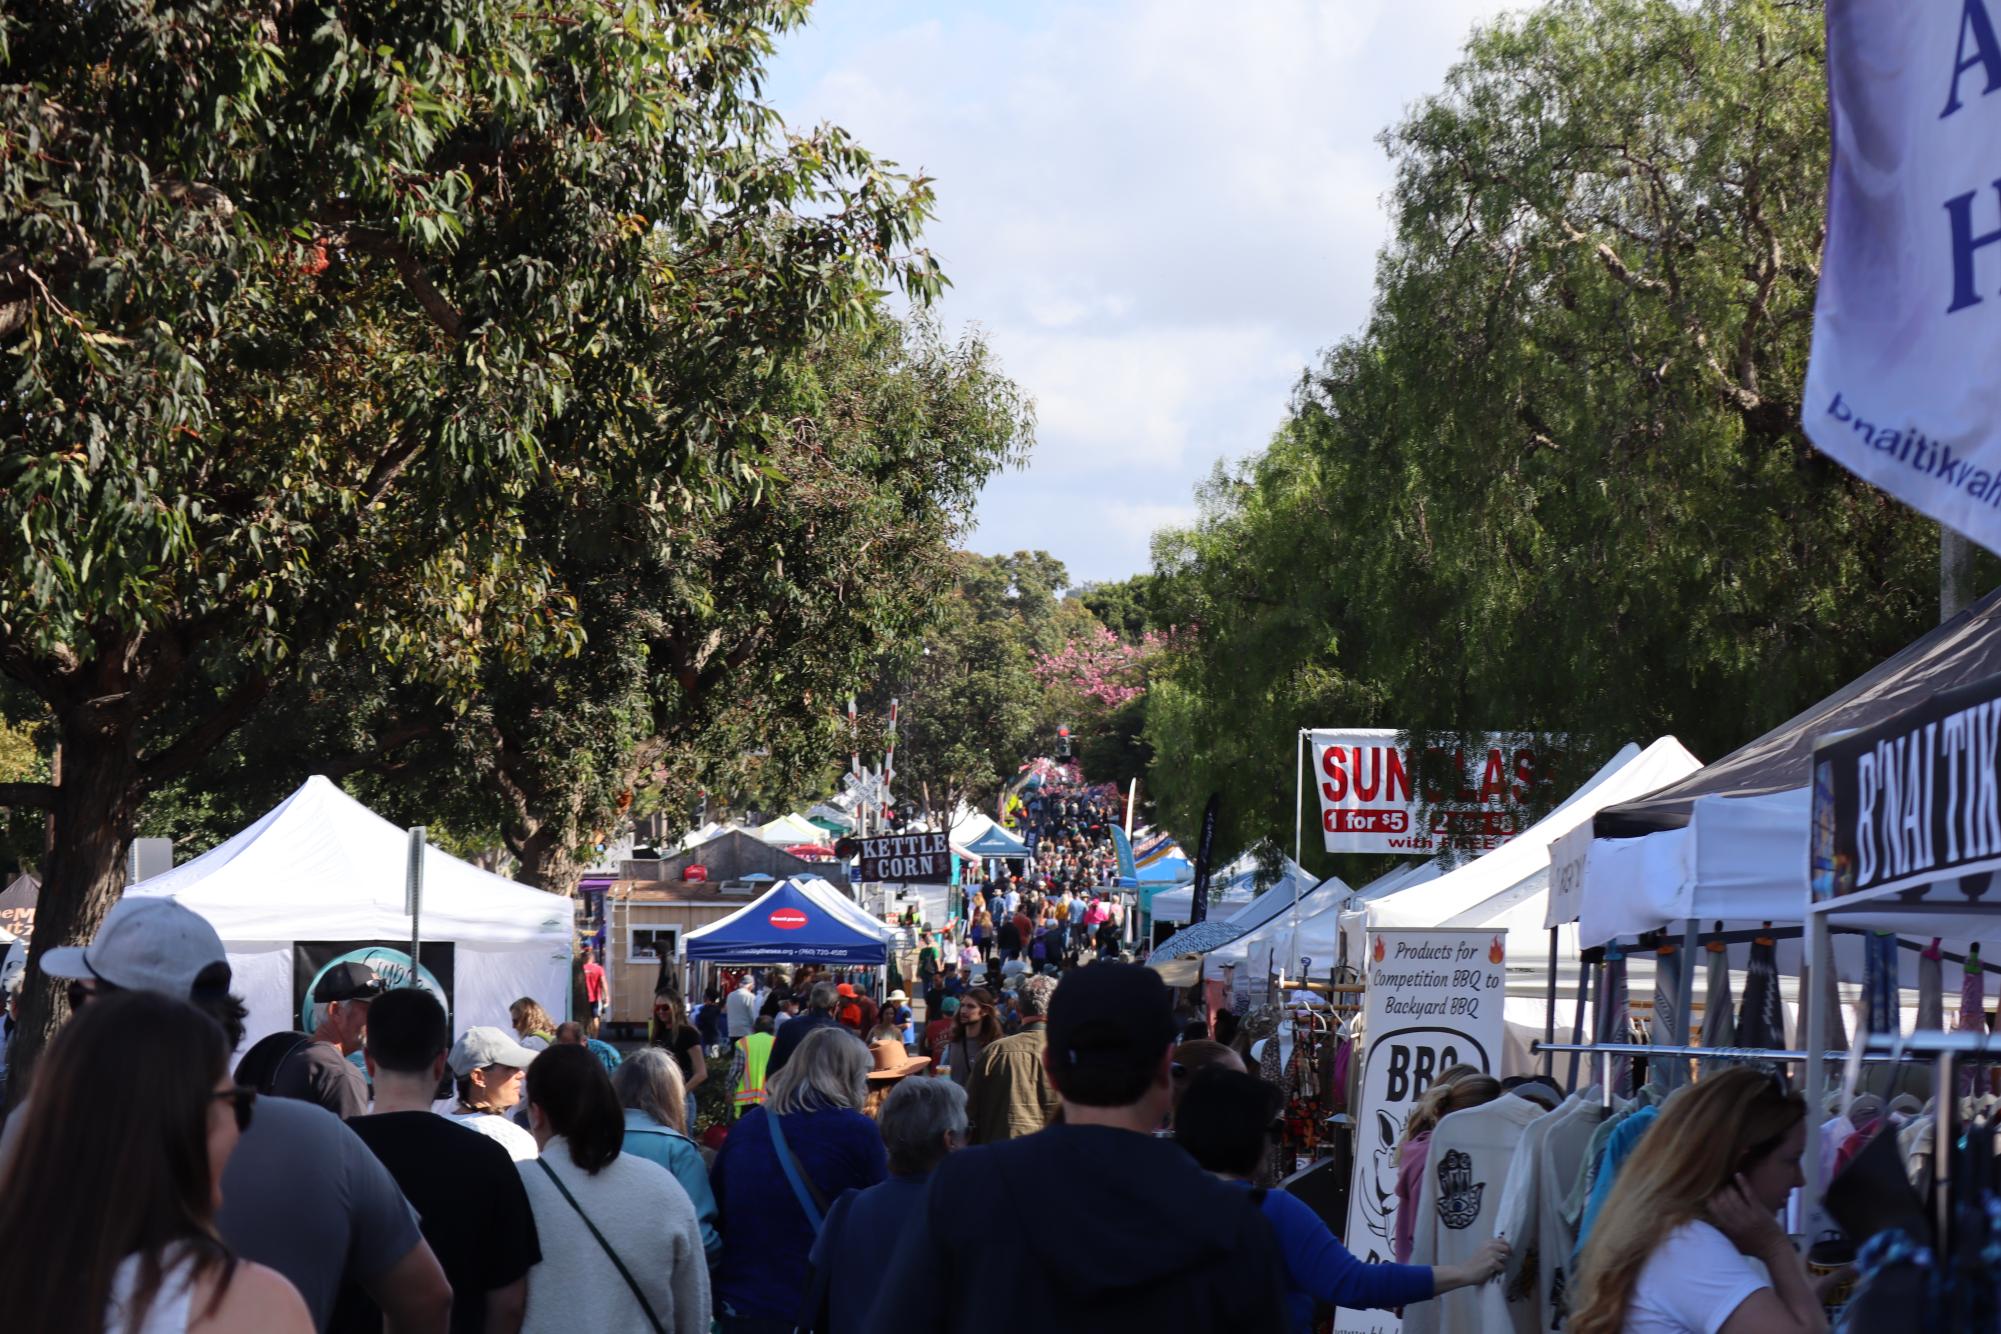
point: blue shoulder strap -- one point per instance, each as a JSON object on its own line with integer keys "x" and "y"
{"x": 801, "y": 1188}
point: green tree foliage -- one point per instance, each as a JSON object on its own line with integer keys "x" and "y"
{"x": 311, "y": 311}
{"x": 972, "y": 708}
{"x": 1558, "y": 482}
{"x": 715, "y": 657}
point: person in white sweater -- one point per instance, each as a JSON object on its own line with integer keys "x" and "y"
{"x": 621, "y": 1248}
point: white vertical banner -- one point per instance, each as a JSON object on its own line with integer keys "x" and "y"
{"x": 1901, "y": 387}
{"x": 1434, "y": 1001}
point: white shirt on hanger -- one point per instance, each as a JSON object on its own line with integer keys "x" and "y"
{"x": 1465, "y": 1174}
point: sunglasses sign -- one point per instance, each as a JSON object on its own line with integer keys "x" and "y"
{"x": 1378, "y": 796}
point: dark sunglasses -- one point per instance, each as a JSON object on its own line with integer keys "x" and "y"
{"x": 241, "y": 1101}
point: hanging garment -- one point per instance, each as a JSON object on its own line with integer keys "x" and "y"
{"x": 1472, "y": 1152}
{"x": 1587, "y": 1167}
{"x": 1615, "y": 1018}
{"x": 1619, "y": 1146}
{"x": 1511, "y": 1303}
{"x": 1556, "y": 1235}
{"x": 1931, "y": 988}
{"x": 1665, "y": 1029}
{"x": 1879, "y": 981}
{"x": 1761, "y": 1021}
{"x": 1719, "y": 1022}
{"x": 1972, "y": 1011}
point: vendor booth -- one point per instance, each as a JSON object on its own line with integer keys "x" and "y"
{"x": 797, "y": 921}
{"x": 1507, "y": 890}
{"x": 321, "y": 879}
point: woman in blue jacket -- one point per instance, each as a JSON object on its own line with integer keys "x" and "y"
{"x": 1225, "y": 1121}
{"x": 649, "y": 1087}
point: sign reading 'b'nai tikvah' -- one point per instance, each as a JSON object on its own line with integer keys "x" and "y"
{"x": 1901, "y": 388}
{"x": 1914, "y": 800}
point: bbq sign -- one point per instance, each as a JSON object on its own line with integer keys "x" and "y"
{"x": 1912, "y": 800}
{"x": 1377, "y": 796}
{"x": 908, "y": 859}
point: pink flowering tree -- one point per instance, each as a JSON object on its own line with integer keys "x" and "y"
{"x": 1097, "y": 671}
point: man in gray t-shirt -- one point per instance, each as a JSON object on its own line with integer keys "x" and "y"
{"x": 318, "y": 1070}
{"x": 305, "y": 1196}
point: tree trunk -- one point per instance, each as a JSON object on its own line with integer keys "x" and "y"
{"x": 95, "y": 805}
{"x": 546, "y": 862}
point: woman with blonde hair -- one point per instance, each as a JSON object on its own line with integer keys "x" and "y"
{"x": 1456, "y": 1088}
{"x": 648, "y": 1085}
{"x": 781, "y": 1168}
{"x": 1688, "y": 1239}
{"x": 533, "y": 1023}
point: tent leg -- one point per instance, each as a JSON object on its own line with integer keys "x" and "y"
{"x": 1577, "y": 1028}
{"x": 1819, "y": 955}
{"x": 1549, "y": 1013}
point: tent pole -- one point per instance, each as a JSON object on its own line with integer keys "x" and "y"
{"x": 1549, "y": 1013}
{"x": 1577, "y": 1028}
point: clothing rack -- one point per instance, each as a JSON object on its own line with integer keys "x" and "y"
{"x": 1943, "y": 1047}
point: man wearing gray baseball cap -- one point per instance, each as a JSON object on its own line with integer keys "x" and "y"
{"x": 359, "y": 1225}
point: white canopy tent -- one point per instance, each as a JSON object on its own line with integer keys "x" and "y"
{"x": 790, "y": 830}
{"x": 1234, "y": 889}
{"x": 321, "y": 867}
{"x": 1319, "y": 935}
{"x": 1508, "y": 889}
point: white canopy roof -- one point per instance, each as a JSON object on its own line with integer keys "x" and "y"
{"x": 321, "y": 866}
{"x": 1462, "y": 895}
{"x": 790, "y": 830}
{"x": 1239, "y": 892}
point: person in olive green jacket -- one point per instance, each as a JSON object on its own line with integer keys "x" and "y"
{"x": 1010, "y": 1094}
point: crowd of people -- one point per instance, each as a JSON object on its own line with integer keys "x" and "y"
{"x": 579, "y": 1199}
{"x": 329, "y": 1181}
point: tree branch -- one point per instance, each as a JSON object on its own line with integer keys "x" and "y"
{"x": 41, "y": 796}
{"x": 370, "y": 241}
{"x": 205, "y": 735}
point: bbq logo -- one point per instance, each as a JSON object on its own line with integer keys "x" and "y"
{"x": 1458, "y": 1194}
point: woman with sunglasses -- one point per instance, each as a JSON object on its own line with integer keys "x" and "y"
{"x": 109, "y": 1218}
{"x": 1227, "y": 1120}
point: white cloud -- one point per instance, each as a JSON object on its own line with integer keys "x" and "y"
{"x": 1159, "y": 209}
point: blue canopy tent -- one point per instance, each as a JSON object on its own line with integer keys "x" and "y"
{"x": 997, "y": 842}
{"x": 790, "y": 923}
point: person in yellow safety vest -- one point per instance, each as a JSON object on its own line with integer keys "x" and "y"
{"x": 753, "y": 1056}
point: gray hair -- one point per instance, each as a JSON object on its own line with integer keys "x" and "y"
{"x": 829, "y": 1069}
{"x": 649, "y": 1081}
{"x": 916, "y": 1118}
{"x": 823, "y": 996}
{"x": 1035, "y": 994}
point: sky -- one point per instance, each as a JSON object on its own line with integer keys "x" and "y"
{"x": 1157, "y": 211}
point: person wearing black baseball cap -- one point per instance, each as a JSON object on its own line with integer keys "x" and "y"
{"x": 1174, "y": 1247}
{"x": 317, "y": 1070}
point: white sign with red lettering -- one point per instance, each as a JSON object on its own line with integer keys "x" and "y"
{"x": 1375, "y": 796}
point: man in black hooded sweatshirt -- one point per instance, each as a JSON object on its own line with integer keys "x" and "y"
{"x": 1170, "y": 1247}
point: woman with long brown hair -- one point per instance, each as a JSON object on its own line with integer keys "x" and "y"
{"x": 110, "y": 1196}
{"x": 532, "y": 1022}
{"x": 1688, "y": 1239}
{"x": 976, "y": 1025}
